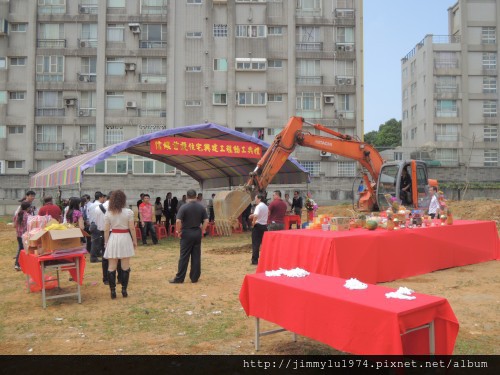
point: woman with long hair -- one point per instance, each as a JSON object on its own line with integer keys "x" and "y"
{"x": 122, "y": 242}
{"x": 74, "y": 214}
{"x": 158, "y": 210}
{"x": 21, "y": 224}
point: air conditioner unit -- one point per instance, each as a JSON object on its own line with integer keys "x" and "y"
{"x": 68, "y": 151}
{"x": 83, "y": 113}
{"x": 135, "y": 28}
{"x": 84, "y": 44}
{"x": 341, "y": 80}
{"x": 329, "y": 99}
{"x": 2, "y": 166}
{"x": 340, "y": 115}
{"x": 82, "y": 149}
{"x": 349, "y": 81}
{"x": 83, "y": 78}
{"x": 325, "y": 154}
{"x": 70, "y": 102}
{"x": 131, "y": 105}
{"x": 349, "y": 48}
{"x": 163, "y": 114}
{"x": 130, "y": 66}
{"x": 341, "y": 47}
{"x": 83, "y": 10}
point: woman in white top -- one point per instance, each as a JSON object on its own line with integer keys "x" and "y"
{"x": 122, "y": 242}
{"x": 434, "y": 205}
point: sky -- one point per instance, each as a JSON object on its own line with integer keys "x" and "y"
{"x": 391, "y": 29}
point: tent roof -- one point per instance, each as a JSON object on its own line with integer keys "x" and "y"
{"x": 209, "y": 171}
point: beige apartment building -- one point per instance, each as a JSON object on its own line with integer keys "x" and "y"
{"x": 450, "y": 93}
{"x": 77, "y": 75}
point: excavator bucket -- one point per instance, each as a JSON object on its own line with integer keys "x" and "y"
{"x": 228, "y": 206}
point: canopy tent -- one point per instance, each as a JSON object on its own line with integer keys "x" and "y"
{"x": 210, "y": 171}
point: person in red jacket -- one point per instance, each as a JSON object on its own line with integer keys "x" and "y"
{"x": 49, "y": 208}
{"x": 277, "y": 212}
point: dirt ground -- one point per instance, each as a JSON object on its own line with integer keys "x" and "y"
{"x": 207, "y": 318}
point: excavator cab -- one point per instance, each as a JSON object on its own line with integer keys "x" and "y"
{"x": 390, "y": 182}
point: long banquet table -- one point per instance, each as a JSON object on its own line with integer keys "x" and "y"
{"x": 381, "y": 255}
{"x": 354, "y": 321}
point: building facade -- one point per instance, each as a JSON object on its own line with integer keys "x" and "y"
{"x": 450, "y": 92}
{"x": 76, "y": 75}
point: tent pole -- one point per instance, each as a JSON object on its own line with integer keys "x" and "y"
{"x": 79, "y": 189}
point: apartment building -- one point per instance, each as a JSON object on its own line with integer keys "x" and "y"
{"x": 78, "y": 75}
{"x": 450, "y": 94}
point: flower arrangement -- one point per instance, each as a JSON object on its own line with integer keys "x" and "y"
{"x": 310, "y": 204}
{"x": 392, "y": 202}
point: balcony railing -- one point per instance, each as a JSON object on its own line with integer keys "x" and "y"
{"x": 52, "y": 9}
{"x": 86, "y": 77}
{"x": 152, "y": 78}
{"x": 49, "y": 146}
{"x": 309, "y": 46}
{"x": 88, "y": 9}
{"x": 309, "y": 80}
{"x": 446, "y": 89}
{"x": 309, "y": 12}
{"x": 446, "y": 113}
{"x": 446, "y": 64}
{"x": 152, "y": 10}
{"x": 152, "y": 44}
{"x": 87, "y": 43}
{"x": 447, "y": 137}
{"x": 50, "y": 77}
{"x": 51, "y": 43}
{"x": 152, "y": 112}
{"x": 50, "y": 112}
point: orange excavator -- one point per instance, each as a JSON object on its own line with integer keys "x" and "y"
{"x": 379, "y": 178}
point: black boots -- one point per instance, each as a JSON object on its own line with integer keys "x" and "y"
{"x": 112, "y": 283}
{"x": 125, "y": 277}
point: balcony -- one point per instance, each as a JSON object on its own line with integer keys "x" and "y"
{"x": 309, "y": 46}
{"x": 87, "y": 112}
{"x": 446, "y": 113}
{"x": 308, "y": 12}
{"x": 50, "y": 112}
{"x": 154, "y": 10}
{"x": 86, "y": 77}
{"x": 51, "y": 43}
{"x": 88, "y": 9}
{"x": 49, "y": 146}
{"x": 50, "y": 77}
{"x": 87, "y": 43}
{"x": 152, "y": 44}
{"x": 454, "y": 137}
{"x": 152, "y": 112}
{"x": 52, "y": 9}
{"x": 309, "y": 80}
{"x": 152, "y": 78}
{"x": 446, "y": 89}
{"x": 344, "y": 47}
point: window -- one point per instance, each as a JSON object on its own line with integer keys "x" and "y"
{"x": 346, "y": 169}
{"x": 489, "y": 108}
{"x": 405, "y": 114}
{"x": 413, "y": 133}
{"x": 115, "y": 33}
{"x": 308, "y": 38}
{"x": 309, "y": 5}
{"x": 51, "y": 6}
{"x": 220, "y": 98}
{"x": 308, "y": 104}
{"x": 251, "y": 98}
{"x": 447, "y": 156}
{"x": 344, "y": 68}
{"x": 251, "y": 31}
{"x": 447, "y": 133}
{"x": 398, "y": 155}
{"x": 18, "y": 27}
{"x": 275, "y": 98}
{"x": 16, "y": 61}
{"x": 446, "y": 60}
{"x": 446, "y": 84}
{"x": 489, "y": 60}
{"x": 49, "y": 103}
{"x": 3, "y": 131}
{"x": 154, "y": 7}
{"x": 88, "y": 69}
{"x": 193, "y": 103}
{"x": 313, "y": 167}
{"x": 489, "y": 84}
{"x": 3, "y": 62}
{"x": 194, "y": 34}
{"x": 17, "y": 95}
{"x": 220, "y": 65}
{"x": 16, "y": 129}
{"x": 490, "y": 158}
{"x": 42, "y": 164}
{"x": 345, "y": 103}
{"x": 413, "y": 88}
{"x": 153, "y": 36}
{"x": 277, "y": 64}
{"x": 220, "y": 31}
{"x": 87, "y": 138}
{"x": 143, "y": 165}
{"x": 88, "y": 102}
{"x": 193, "y": 69}
{"x": 195, "y": 2}
{"x": 89, "y": 35}
{"x": 17, "y": 164}
{"x": 50, "y": 68}
{"x": 446, "y": 108}
{"x": 49, "y": 138}
{"x": 413, "y": 111}
{"x": 148, "y": 129}
{"x": 490, "y": 133}
{"x": 251, "y": 64}
{"x": 113, "y": 134}
{"x": 275, "y": 30}
{"x": 405, "y": 94}
{"x": 116, "y": 4}
{"x": 345, "y": 35}
{"x": 3, "y": 97}
{"x": 118, "y": 164}
{"x": 115, "y": 66}
{"x": 154, "y": 70}
{"x": 308, "y": 72}
{"x": 488, "y": 35}
{"x": 51, "y": 35}
{"x": 115, "y": 100}
{"x": 153, "y": 104}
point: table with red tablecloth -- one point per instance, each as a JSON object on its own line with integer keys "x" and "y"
{"x": 354, "y": 321}
{"x": 381, "y": 255}
{"x": 35, "y": 266}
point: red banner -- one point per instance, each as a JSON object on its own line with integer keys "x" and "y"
{"x": 205, "y": 147}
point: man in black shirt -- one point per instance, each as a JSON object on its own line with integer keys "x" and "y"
{"x": 192, "y": 221}
{"x": 297, "y": 203}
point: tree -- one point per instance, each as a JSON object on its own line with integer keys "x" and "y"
{"x": 388, "y": 135}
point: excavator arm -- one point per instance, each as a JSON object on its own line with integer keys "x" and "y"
{"x": 229, "y": 205}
